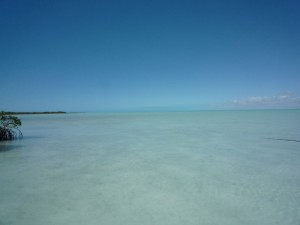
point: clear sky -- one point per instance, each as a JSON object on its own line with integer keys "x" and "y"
{"x": 93, "y": 55}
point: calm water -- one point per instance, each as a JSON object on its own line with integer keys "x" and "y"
{"x": 199, "y": 168}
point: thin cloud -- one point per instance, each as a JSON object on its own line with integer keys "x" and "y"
{"x": 285, "y": 100}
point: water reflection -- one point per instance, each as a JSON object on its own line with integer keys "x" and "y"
{"x": 8, "y": 146}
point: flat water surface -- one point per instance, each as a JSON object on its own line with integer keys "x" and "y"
{"x": 189, "y": 168}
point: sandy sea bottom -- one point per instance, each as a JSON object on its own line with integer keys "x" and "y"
{"x": 191, "y": 168}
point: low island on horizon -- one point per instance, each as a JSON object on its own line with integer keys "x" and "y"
{"x": 29, "y": 113}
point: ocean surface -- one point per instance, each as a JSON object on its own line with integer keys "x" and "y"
{"x": 168, "y": 168}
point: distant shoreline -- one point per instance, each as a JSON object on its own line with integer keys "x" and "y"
{"x": 30, "y": 113}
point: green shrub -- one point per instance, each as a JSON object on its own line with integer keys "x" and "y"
{"x": 9, "y": 127}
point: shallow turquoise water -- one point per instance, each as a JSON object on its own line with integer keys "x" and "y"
{"x": 202, "y": 168}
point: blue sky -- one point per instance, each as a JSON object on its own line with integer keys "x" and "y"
{"x": 88, "y": 55}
